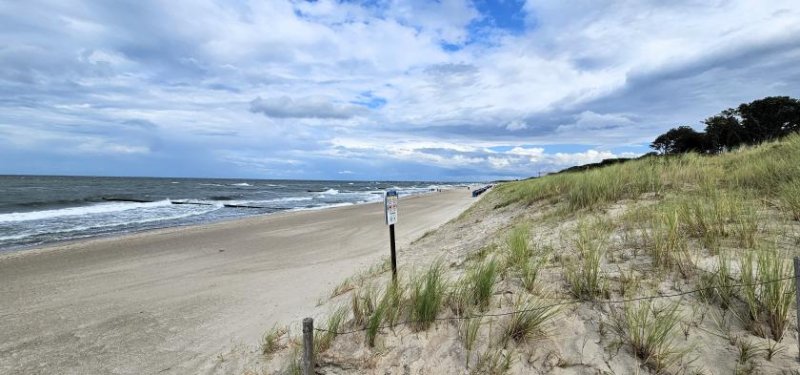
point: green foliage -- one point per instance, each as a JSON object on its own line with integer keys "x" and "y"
{"x": 719, "y": 285}
{"x": 767, "y": 298}
{"x": 776, "y": 296}
{"x": 426, "y": 296}
{"x": 468, "y": 331}
{"x": 323, "y": 341}
{"x": 583, "y": 276}
{"x": 650, "y": 333}
{"x": 762, "y": 120}
{"x": 374, "y": 322}
{"x": 295, "y": 365}
{"x": 493, "y": 361}
{"x": 362, "y": 303}
{"x": 587, "y": 189}
{"x": 789, "y": 193}
{"x": 529, "y": 320}
{"x": 681, "y": 140}
{"x": 270, "y": 341}
{"x": 481, "y": 283}
{"x": 518, "y": 250}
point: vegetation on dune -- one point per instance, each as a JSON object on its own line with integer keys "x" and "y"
{"x": 650, "y": 332}
{"x": 723, "y": 227}
{"x": 762, "y": 120}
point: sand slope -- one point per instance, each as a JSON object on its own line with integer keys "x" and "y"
{"x": 166, "y": 301}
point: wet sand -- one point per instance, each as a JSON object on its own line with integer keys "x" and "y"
{"x": 171, "y": 300}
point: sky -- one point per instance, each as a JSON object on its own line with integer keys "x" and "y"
{"x": 449, "y": 90}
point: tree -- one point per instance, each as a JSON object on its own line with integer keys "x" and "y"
{"x": 769, "y": 118}
{"x": 680, "y": 140}
{"x": 724, "y": 131}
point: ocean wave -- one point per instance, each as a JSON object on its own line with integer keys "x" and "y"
{"x": 241, "y": 184}
{"x": 101, "y": 208}
{"x": 288, "y": 199}
{"x": 59, "y": 202}
{"x": 107, "y": 225}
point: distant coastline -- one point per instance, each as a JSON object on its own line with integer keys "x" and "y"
{"x": 42, "y": 210}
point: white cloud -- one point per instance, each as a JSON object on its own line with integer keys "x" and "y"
{"x": 604, "y": 75}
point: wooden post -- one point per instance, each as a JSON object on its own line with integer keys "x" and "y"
{"x": 308, "y": 346}
{"x": 797, "y": 299}
{"x": 394, "y": 255}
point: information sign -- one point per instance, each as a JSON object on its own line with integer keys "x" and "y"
{"x": 390, "y": 207}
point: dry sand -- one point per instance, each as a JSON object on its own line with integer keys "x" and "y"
{"x": 169, "y": 301}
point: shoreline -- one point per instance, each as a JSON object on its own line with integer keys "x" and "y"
{"x": 171, "y": 299}
{"x": 52, "y": 246}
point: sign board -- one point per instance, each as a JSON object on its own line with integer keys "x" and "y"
{"x": 390, "y": 207}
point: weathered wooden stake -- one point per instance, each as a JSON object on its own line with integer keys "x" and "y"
{"x": 797, "y": 299}
{"x": 308, "y": 346}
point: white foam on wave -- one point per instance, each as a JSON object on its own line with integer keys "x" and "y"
{"x": 290, "y": 199}
{"x": 100, "y": 208}
{"x": 330, "y": 192}
{"x": 110, "y": 224}
{"x": 322, "y": 207}
{"x": 241, "y": 184}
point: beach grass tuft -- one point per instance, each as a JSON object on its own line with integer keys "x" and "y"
{"x": 583, "y": 275}
{"x": 323, "y": 341}
{"x": 529, "y": 320}
{"x": 270, "y": 341}
{"x": 649, "y": 331}
{"x": 426, "y": 295}
{"x": 481, "y": 281}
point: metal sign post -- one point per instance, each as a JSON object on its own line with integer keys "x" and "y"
{"x": 390, "y": 210}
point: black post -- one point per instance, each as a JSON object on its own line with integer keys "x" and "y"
{"x": 394, "y": 256}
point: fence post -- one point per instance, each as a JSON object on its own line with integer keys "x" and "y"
{"x": 308, "y": 346}
{"x": 797, "y": 299}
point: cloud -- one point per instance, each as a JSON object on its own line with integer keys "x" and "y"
{"x": 452, "y": 89}
{"x": 303, "y": 107}
{"x": 516, "y": 125}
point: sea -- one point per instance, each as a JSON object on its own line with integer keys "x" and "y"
{"x": 40, "y": 210}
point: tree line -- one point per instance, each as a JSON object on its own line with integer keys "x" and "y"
{"x": 762, "y": 120}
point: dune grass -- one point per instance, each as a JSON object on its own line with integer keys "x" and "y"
{"x": 682, "y": 212}
{"x": 519, "y": 251}
{"x": 769, "y": 170}
{"x": 426, "y": 295}
{"x": 481, "y": 281}
{"x": 270, "y": 341}
{"x": 583, "y": 275}
{"x": 789, "y": 193}
{"x": 468, "y": 332}
{"x": 323, "y": 341}
{"x": 529, "y": 320}
{"x": 649, "y": 331}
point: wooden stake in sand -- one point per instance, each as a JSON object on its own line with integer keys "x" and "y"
{"x": 308, "y": 346}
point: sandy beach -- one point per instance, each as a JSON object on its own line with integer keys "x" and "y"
{"x": 168, "y": 301}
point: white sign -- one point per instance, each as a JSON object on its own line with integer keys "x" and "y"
{"x": 390, "y": 206}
